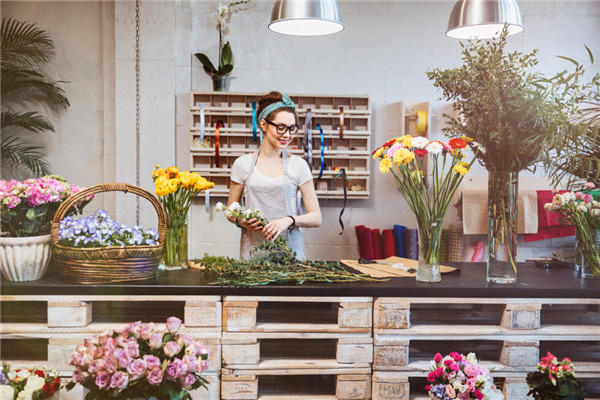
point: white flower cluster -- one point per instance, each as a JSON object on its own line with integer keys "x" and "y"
{"x": 33, "y": 385}
{"x": 582, "y": 202}
{"x": 236, "y": 210}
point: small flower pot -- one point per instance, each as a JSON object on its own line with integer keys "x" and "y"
{"x": 24, "y": 258}
{"x": 220, "y": 83}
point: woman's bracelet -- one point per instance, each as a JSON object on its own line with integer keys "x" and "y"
{"x": 293, "y": 225}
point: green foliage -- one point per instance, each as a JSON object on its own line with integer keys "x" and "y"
{"x": 513, "y": 112}
{"x": 576, "y": 156}
{"x": 225, "y": 63}
{"x": 25, "y": 52}
{"x": 272, "y": 263}
{"x": 566, "y": 388}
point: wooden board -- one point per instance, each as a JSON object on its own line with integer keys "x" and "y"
{"x": 388, "y": 271}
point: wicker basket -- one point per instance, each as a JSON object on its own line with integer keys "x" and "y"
{"x": 108, "y": 264}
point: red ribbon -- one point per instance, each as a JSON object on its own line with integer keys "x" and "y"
{"x": 217, "y": 131}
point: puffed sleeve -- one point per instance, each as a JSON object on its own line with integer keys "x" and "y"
{"x": 304, "y": 174}
{"x": 239, "y": 169}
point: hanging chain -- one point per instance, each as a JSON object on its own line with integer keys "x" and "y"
{"x": 137, "y": 108}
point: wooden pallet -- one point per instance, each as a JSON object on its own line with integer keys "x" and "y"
{"x": 349, "y": 384}
{"x": 517, "y": 328}
{"x": 350, "y": 315}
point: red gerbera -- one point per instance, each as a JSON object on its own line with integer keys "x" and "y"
{"x": 389, "y": 143}
{"x": 457, "y": 143}
{"x": 39, "y": 373}
{"x": 420, "y": 152}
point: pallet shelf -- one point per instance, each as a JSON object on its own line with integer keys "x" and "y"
{"x": 350, "y": 149}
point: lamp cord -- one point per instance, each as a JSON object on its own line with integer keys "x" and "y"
{"x": 137, "y": 108}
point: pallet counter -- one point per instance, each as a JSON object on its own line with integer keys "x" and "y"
{"x": 324, "y": 341}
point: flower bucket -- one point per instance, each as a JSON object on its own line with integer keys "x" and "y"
{"x": 24, "y": 258}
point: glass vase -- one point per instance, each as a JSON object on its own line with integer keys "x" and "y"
{"x": 176, "y": 245}
{"x": 430, "y": 235}
{"x": 220, "y": 83}
{"x": 503, "y": 192}
{"x": 587, "y": 252}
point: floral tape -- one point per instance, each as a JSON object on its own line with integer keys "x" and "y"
{"x": 421, "y": 122}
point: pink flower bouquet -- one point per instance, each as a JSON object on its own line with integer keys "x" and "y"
{"x": 27, "y": 208}
{"x": 140, "y": 361}
{"x": 458, "y": 377}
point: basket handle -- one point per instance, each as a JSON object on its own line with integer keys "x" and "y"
{"x": 109, "y": 187}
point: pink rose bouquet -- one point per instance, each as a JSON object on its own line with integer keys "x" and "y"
{"x": 140, "y": 361}
{"x": 27, "y": 208}
{"x": 456, "y": 376}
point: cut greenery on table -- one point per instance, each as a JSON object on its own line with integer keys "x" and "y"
{"x": 274, "y": 264}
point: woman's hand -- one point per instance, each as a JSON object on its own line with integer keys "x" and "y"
{"x": 274, "y": 228}
{"x": 251, "y": 224}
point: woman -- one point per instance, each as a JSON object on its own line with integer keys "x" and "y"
{"x": 269, "y": 180}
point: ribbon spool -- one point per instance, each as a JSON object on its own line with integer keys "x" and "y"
{"x": 421, "y": 122}
{"x": 322, "y": 150}
{"x": 202, "y": 122}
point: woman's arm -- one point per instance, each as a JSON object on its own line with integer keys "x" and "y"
{"x": 235, "y": 195}
{"x": 312, "y": 218}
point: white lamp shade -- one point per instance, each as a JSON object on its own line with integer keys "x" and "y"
{"x": 484, "y": 19}
{"x": 306, "y": 17}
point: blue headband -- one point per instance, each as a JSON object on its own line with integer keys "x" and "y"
{"x": 285, "y": 102}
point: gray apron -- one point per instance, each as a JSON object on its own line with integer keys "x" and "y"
{"x": 275, "y": 198}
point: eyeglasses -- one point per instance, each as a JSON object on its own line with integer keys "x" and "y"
{"x": 281, "y": 129}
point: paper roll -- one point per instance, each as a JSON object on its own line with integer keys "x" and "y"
{"x": 421, "y": 122}
{"x": 399, "y": 244}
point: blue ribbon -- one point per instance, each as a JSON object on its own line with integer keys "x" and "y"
{"x": 254, "y": 130}
{"x": 322, "y": 150}
{"x": 202, "y": 122}
{"x": 207, "y": 201}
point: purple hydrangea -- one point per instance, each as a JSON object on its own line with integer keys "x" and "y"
{"x": 439, "y": 392}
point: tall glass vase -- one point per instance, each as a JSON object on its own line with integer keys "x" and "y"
{"x": 430, "y": 235}
{"x": 503, "y": 191}
{"x": 176, "y": 245}
{"x": 587, "y": 252}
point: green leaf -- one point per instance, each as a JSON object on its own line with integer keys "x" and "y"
{"x": 208, "y": 66}
{"x": 226, "y": 55}
{"x": 569, "y": 59}
{"x": 590, "y": 54}
{"x": 226, "y": 69}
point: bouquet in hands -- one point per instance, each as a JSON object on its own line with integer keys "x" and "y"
{"x": 236, "y": 211}
{"x": 554, "y": 380}
{"x": 28, "y": 384}
{"x": 140, "y": 361}
{"x": 458, "y": 377}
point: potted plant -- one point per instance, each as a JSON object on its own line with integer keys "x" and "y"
{"x": 26, "y": 212}
{"x": 515, "y": 115}
{"x": 25, "y": 383}
{"x": 26, "y": 50}
{"x": 553, "y": 380}
{"x": 225, "y": 60}
{"x": 142, "y": 361}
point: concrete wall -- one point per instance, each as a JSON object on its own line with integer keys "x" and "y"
{"x": 384, "y": 52}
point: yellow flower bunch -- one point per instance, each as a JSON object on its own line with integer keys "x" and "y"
{"x": 170, "y": 180}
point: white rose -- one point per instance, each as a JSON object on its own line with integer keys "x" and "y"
{"x": 34, "y": 383}
{"x": 7, "y": 392}
{"x": 558, "y": 201}
{"x": 24, "y": 395}
{"x": 219, "y": 207}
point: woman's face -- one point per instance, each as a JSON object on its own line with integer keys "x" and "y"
{"x": 281, "y": 120}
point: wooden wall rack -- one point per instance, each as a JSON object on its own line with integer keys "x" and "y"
{"x": 349, "y": 149}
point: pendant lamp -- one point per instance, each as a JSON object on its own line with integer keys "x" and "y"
{"x": 306, "y": 17}
{"x": 484, "y": 19}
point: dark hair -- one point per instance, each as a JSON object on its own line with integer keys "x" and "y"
{"x": 270, "y": 98}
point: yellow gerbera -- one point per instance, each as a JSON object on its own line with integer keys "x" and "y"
{"x": 403, "y": 156}
{"x": 378, "y": 153}
{"x": 385, "y": 165}
{"x": 466, "y": 138}
{"x": 457, "y": 154}
{"x": 459, "y": 169}
{"x": 406, "y": 140}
